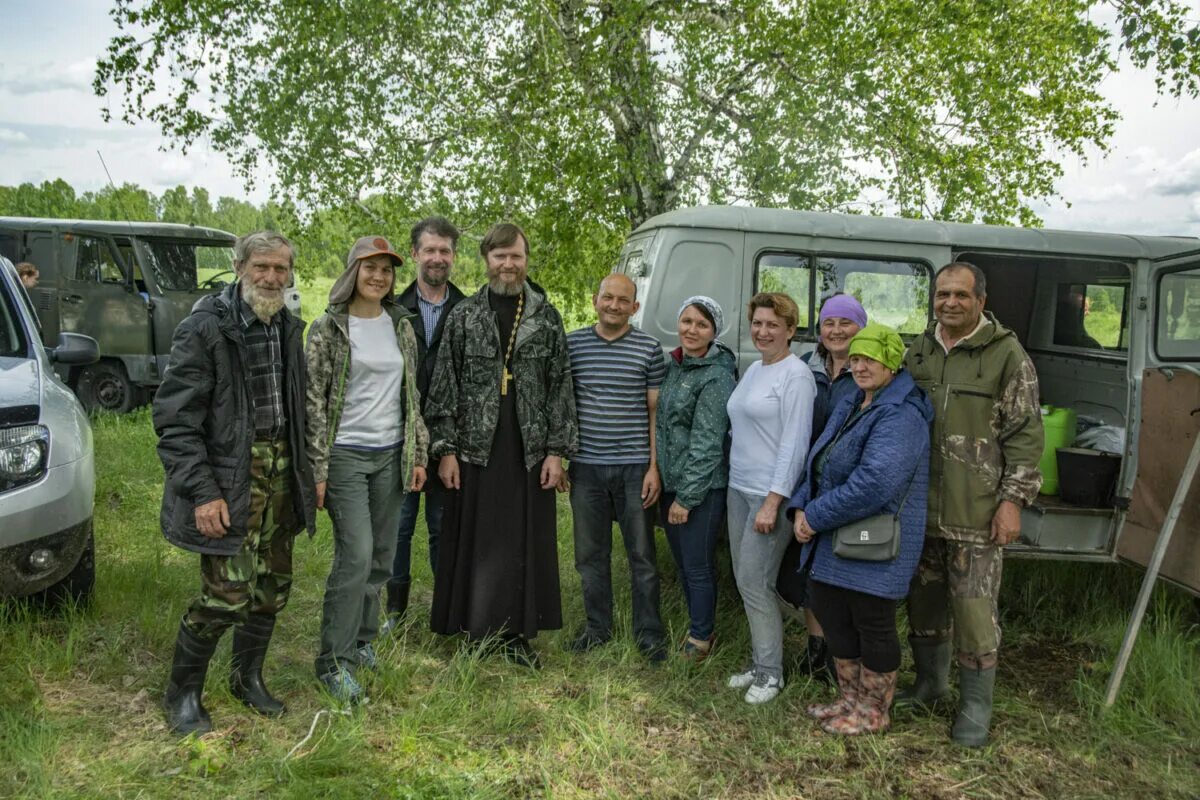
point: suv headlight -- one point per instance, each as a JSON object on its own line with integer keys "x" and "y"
{"x": 23, "y": 452}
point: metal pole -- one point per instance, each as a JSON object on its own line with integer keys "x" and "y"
{"x": 1160, "y": 550}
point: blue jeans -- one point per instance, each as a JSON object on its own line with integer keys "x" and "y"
{"x": 694, "y": 545}
{"x": 599, "y": 495}
{"x": 434, "y": 495}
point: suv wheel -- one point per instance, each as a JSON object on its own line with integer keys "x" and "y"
{"x": 105, "y": 386}
{"x": 77, "y": 585}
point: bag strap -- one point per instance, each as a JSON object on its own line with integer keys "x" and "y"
{"x": 907, "y": 491}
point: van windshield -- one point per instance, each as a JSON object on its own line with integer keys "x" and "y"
{"x": 177, "y": 265}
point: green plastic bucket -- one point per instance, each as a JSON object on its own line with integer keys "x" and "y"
{"x": 1059, "y": 427}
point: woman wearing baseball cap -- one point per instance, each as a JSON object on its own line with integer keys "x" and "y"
{"x": 367, "y": 444}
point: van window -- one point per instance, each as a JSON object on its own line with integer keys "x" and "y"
{"x": 175, "y": 263}
{"x": 1091, "y": 315}
{"x": 1178, "y": 325}
{"x": 95, "y": 262}
{"x": 895, "y": 293}
{"x": 790, "y": 274}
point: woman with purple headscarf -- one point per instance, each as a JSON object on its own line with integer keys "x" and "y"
{"x": 841, "y": 317}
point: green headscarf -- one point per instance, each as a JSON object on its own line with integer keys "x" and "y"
{"x": 880, "y": 343}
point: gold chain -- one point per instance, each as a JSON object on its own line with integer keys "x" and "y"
{"x": 505, "y": 372}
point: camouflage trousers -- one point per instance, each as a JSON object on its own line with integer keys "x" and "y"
{"x": 956, "y": 589}
{"x": 259, "y": 577}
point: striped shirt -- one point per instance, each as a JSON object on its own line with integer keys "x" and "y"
{"x": 611, "y": 380}
{"x": 264, "y": 372}
{"x": 430, "y": 314}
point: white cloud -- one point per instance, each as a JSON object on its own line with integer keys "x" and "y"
{"x": 37, "y": 79}
{"x": 9, "y": 136}
{"x": 1182, "y": 179}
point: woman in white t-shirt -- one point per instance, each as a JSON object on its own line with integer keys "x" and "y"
{"x": 770, "y": 415}
{"x": 367, "y": 444}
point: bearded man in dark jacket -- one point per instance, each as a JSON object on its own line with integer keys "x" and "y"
{"x": 230, "y": 420}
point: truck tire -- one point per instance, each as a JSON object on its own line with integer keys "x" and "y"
{"x": 105, "y": 386}
{"x": 77, "y": 585}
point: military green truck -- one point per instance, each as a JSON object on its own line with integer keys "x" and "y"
{"x": 125, "y": 284}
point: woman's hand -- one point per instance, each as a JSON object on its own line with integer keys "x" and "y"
{"x": 677, "y": 514}
{"x": 768, "y": 512}
{"x": 321, "y": 494}
{"x": 418, "y": 480}
{"x": 803, "y": 531}
{"x": 448, "y": 471}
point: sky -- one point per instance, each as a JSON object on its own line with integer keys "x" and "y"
{"x": 51, "y": 127}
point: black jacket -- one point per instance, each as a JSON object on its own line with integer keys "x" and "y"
{"x": 428, "y": 355}
{"x": 204, "y": 418}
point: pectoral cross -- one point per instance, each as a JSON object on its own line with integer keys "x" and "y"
{"x": 505, "y": 377}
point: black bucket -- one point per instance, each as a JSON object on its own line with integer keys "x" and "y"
{"x": 1086, "y": 477}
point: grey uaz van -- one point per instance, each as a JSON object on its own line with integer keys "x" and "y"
{"x": 127, "y": 285}
{"x": 1111, "y": 322}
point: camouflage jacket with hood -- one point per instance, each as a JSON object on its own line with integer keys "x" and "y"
{"x": 987, "y": 429}
{"x": 328, "y": 355}
{"x": 463, "y": 407}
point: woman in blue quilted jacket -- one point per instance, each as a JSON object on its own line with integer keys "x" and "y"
{"x": 872, "y": 458}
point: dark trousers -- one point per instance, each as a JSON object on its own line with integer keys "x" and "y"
{"x": 434, "y": 495}
{"x": 601, "y": 494}
{"x": 857, "y": 625}
{"x": 694, "y": 545}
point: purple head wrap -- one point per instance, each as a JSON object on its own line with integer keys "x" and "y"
{"x": 846, "y": 307}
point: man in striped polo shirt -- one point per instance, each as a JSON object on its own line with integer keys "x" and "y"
{"x": 617, "y": 370}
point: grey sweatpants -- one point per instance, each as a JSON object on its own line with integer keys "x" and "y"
{"x": 756, "y": 558}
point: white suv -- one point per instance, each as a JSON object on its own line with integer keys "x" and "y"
{"x": 47, "y": 479}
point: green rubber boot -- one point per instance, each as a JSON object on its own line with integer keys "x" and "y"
{"x": 932, "y": 660}
{"x": 974, "y": 706}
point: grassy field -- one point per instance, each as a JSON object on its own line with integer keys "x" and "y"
{"x": 79, "y": 695}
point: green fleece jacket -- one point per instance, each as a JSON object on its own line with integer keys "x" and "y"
{"x": 987, "y": 429}
{"x": 328, "y": 355}
{"x": 692, "y": 424}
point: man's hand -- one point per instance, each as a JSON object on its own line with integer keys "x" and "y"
{"x": 321, "y": 494}
{"x": 418, "y": 479}
{"x": 552, "y": 472}
{"x": 651, "y": 487}
{"x": 677, "y": 514}
{"x": 764, "y": 520}
{"x": 1006, "y": 524}
{"x": 448, "y": 471}
{"x": 801, "y": 529}
{"x": 212, "y": 518}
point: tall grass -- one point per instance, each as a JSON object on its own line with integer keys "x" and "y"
{"x": 79, "y": 695}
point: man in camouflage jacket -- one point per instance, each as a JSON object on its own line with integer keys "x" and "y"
{"x": 464, "y": 398}
{"x": 985, "y": 447}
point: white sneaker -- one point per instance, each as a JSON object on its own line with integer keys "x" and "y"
{"x": 742, "y": 679}
{"x": 764, "y": 689}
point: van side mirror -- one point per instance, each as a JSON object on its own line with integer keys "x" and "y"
{"x": 75, "y": 349}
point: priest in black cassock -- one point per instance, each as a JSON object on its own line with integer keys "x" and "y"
{"x": 501, "y": 415}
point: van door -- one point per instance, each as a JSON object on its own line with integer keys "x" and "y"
{"x": 1169, "y": 422}
{"x": 98, "y": 298}
{"x": 893, "y": 280}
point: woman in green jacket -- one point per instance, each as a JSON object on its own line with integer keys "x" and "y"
{"x": 367, "y": 444}
{"x": 690, "y": 432}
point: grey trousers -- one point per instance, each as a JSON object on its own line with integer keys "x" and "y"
{"x": 756, "y": 558}
{"x": 363, "y": 498}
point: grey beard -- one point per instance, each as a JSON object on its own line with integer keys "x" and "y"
{"x": 506, "y": 289}
{"x": 265, "y": 303}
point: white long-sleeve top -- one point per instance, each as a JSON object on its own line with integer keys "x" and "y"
{"x": 770, "y": 415}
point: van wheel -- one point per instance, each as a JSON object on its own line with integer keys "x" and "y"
{"x": 77, "y": 585}
{"x": 104, "y": 386}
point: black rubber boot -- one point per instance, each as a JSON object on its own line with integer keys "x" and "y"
{"x": 397, "y": 606}
{"x": 931, "y": 657}
{"x": 974, "y": 706}
{"x": 250, "y": 642}
{"x": 185, "y": 712}
{"x": 817, "y": 661}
